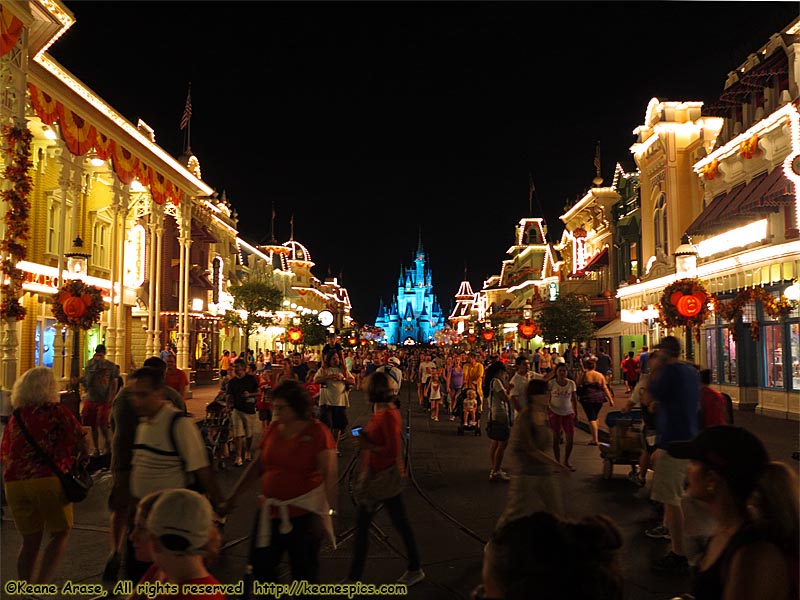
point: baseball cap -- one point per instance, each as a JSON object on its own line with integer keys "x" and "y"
{"x": 394, "y": 360}
{"x": 185, "y": 514}
{"x": 560, "y": 361}
{"x": 671, "y": 345}
{"x": 733, "y": 452}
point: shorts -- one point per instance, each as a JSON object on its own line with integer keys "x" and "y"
{"x": 243, "y": 424}
{"x": 669, "y": 477}
{"x": 592, "y": 409}
{"x": 335, "y": 417}
{"x": 36, "y": 504}
{"x": 559, "y": 422}
{"x": 120, "y": 498}
{"x": 265, "y": 414}
{"x": 96, "y": 414}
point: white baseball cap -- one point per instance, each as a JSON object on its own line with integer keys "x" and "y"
{"x": 183, "y": 513}
{"x": 394, "y": 360}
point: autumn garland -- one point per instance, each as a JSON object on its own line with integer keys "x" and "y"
{"x": 78, "y": 305}
{"x": 668, "y": 306}
{"x": 776, "y": 308}
{"x": 17, "y": 149}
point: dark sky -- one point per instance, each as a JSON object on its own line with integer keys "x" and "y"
{"x": 370, "y": 120}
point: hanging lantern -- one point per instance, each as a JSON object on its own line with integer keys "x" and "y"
{"x": 527, "y": 329}
{"x": 471, "y": 338}
{"x": 488, "y": 335}
{"x": 295, "y": 335}
{"x": 352, "y": 341}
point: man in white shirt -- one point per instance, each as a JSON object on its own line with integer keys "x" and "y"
{"x": 518, "y": 386}
{"x": 426, "y": 367}
{"x": 392, "y": 369}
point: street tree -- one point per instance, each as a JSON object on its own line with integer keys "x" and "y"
{"x": 565, "y": 320}
{"x": 314, "y": 333}
{"x": 253, "y": 301}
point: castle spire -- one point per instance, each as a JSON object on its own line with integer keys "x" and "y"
{"x": 419, "y": 244}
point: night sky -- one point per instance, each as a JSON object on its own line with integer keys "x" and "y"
{"x": 367, "y": 121}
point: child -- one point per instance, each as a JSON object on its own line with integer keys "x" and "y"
{"x": 264, "y": 401}
{"x": 313, "y": 391}
{"x": 434, "y": 391}
{"x": 470, "y": 407}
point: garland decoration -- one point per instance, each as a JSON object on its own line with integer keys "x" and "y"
{"x": 17, "y": 149}
{"x": 78, "y": 305}
{"x": 684, "y": 303}
{"x": 775, "y": 308}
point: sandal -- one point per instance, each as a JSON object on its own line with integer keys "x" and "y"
{"x": 592, "y": 443}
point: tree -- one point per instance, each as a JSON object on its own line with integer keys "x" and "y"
{"x": 314, "y": 334}
{"x": 256, "y": 298}
{"x": 565, "y": 320}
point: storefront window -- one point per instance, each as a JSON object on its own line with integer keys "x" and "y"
{"x": 45, "y": 338}
{"x": 773, "y": 353}
{"x": 794, "y": 340}
{"x": 729, "y": 374}
{"x": 711, "y": 353}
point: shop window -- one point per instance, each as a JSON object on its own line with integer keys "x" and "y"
{"x": 44, "y": 340}
{"x": 660, "y": 229}
{"x": 773, "y": 355}
{"x": 100, "y": 243}
{"x": 633, "y": 253}
{"x": 794, "y": 346}
{"x": 729, "y": 374}
{"x": 711, "y": 353}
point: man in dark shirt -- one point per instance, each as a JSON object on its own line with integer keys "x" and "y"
{"x": 299, "y": 368}
{"x": 604, "y": 364}
{"x": 241, "y": 395}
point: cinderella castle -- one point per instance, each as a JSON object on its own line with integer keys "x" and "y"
{"x": 414, "y": 314}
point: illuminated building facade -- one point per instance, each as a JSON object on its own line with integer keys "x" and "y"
{"x": 414, "y": 314}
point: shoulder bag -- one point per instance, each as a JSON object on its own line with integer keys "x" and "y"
{"x": 76, "y": 483}
{"x": 496, "y": 430}
{"x": 373, "y": 488}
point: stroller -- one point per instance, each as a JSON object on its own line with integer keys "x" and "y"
{"x": 216, "y": 431}
{"x": 626, "y": 443}
{"x": 458, "y": 412}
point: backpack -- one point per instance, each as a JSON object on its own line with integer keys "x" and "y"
{"x": 195, "y": 484}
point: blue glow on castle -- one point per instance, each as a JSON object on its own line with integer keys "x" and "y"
{"x": 414, "y": 313}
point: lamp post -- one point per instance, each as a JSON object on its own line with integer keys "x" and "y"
{"x": 77, "y": 265}
{"x": 686, "y": 268}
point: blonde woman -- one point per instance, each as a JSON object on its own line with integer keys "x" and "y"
{"x": 34, "y": 493}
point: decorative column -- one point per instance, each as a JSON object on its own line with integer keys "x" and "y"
{"x": 120, "y": 251}
{"x": 159, "y": 214}
{"x": 150, "y": 348}
{"x": 70, "y": 183}
{"x": 120, "y": 193}
{"x": 185, "y": 225}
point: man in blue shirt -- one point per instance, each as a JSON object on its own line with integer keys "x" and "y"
{"x": 674, "y": 389}
{"x": 644, "y": 355}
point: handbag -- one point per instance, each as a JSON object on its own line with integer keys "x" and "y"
{"x": 375, "y": 487}
{"x": 498, "y": 431}
{"x": 76, "y": 482}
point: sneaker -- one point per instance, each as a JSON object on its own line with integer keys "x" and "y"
{"x": 111, "y": 571}
{"x": 502, "y": 475}
{"x": 452, "y": 417}
{"x": 411, "y": 577}
{"x": 492, "y": 475}
{"x": 436, "y": 419}
{"x": 237, "y": 462}
{"x": 658, "y": 532}
{"x": 634, "y": 477}
{"x": 671, "y": 563}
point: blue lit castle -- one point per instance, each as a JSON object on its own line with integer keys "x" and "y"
{"x": 414, "y": 314}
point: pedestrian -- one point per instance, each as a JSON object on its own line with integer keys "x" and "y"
{"x": 643, "y": 357}
{"x": 181, "y": 534}
{"x": 124, "y": 421}
{"x": 241, "y": 397}
{"x": 298, "y": 472}
{"x": 592, "y": 393}
{"x": 713, "y": 406}
{"x": 426, "y": 367}
{"x": 168, "y": 449}
{"x": 34, "y": 494}
{"x": 474, "y": 374}
{"x": 100, "y": 381}
{"x": 518, "y": 385}
{"x": 536, "y": 557}
{"x": 224, "y": 364}
{"x": 299, "y": 367}
{"x": 166, "y": 352}
{"x": 562, "y": 410}
{"x": 455, "y": 383}
{"x": 534, "y": 483}
{"x": 753, "y": 551}
{"x": 499, "y": 427}
{"x": 334, "y": 397}
{"x": 674, "y": 388}
{"x": 545, "y": 361}
{"x": 435, "y": 390}
{"x": 630, "y": 372}
{"x": 381, "y": 479}
{"x": 175, "y": 378}
{"x": 604, "y": 366}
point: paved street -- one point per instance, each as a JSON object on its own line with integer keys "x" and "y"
{"x": 452, "y": 504}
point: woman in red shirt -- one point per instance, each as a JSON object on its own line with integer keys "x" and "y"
{"x": 33, "y": 492}
{"x": 380, "y": 451}
{"x": 298, "y": 471}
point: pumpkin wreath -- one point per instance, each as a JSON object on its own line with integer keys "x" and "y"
{"x": 78, "y": 305}
{"x": 684, "y": 303}
{"x": 776, "y": 308}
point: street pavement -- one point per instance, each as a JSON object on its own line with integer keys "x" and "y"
{"x": 452, "y": 505}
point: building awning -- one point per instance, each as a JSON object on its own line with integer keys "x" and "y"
{"x": 764, "y": 193}
{"x": 598, "y": 261}
{"x": 617, "y": 328}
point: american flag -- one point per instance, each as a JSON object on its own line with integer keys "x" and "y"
{"x": 187, "y": 110}
{"x": 597, "y": 159}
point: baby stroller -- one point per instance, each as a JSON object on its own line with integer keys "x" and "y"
{"x": 216, "y": 431}
{"x": 625, "y": 437}
{"x": 458, "y": 412}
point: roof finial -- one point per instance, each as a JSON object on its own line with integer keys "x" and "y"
{"x": 291, "y": 228}
{"x": 419, "y": 244}
{"x": 272, "y": 239}
{"x": 598, "y": 180}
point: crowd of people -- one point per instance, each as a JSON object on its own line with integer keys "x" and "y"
{"x": 735, "y": 520}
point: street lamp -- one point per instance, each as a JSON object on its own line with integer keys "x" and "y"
{"x": 686, "y": 259}
{"x": 77, "y": 266}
